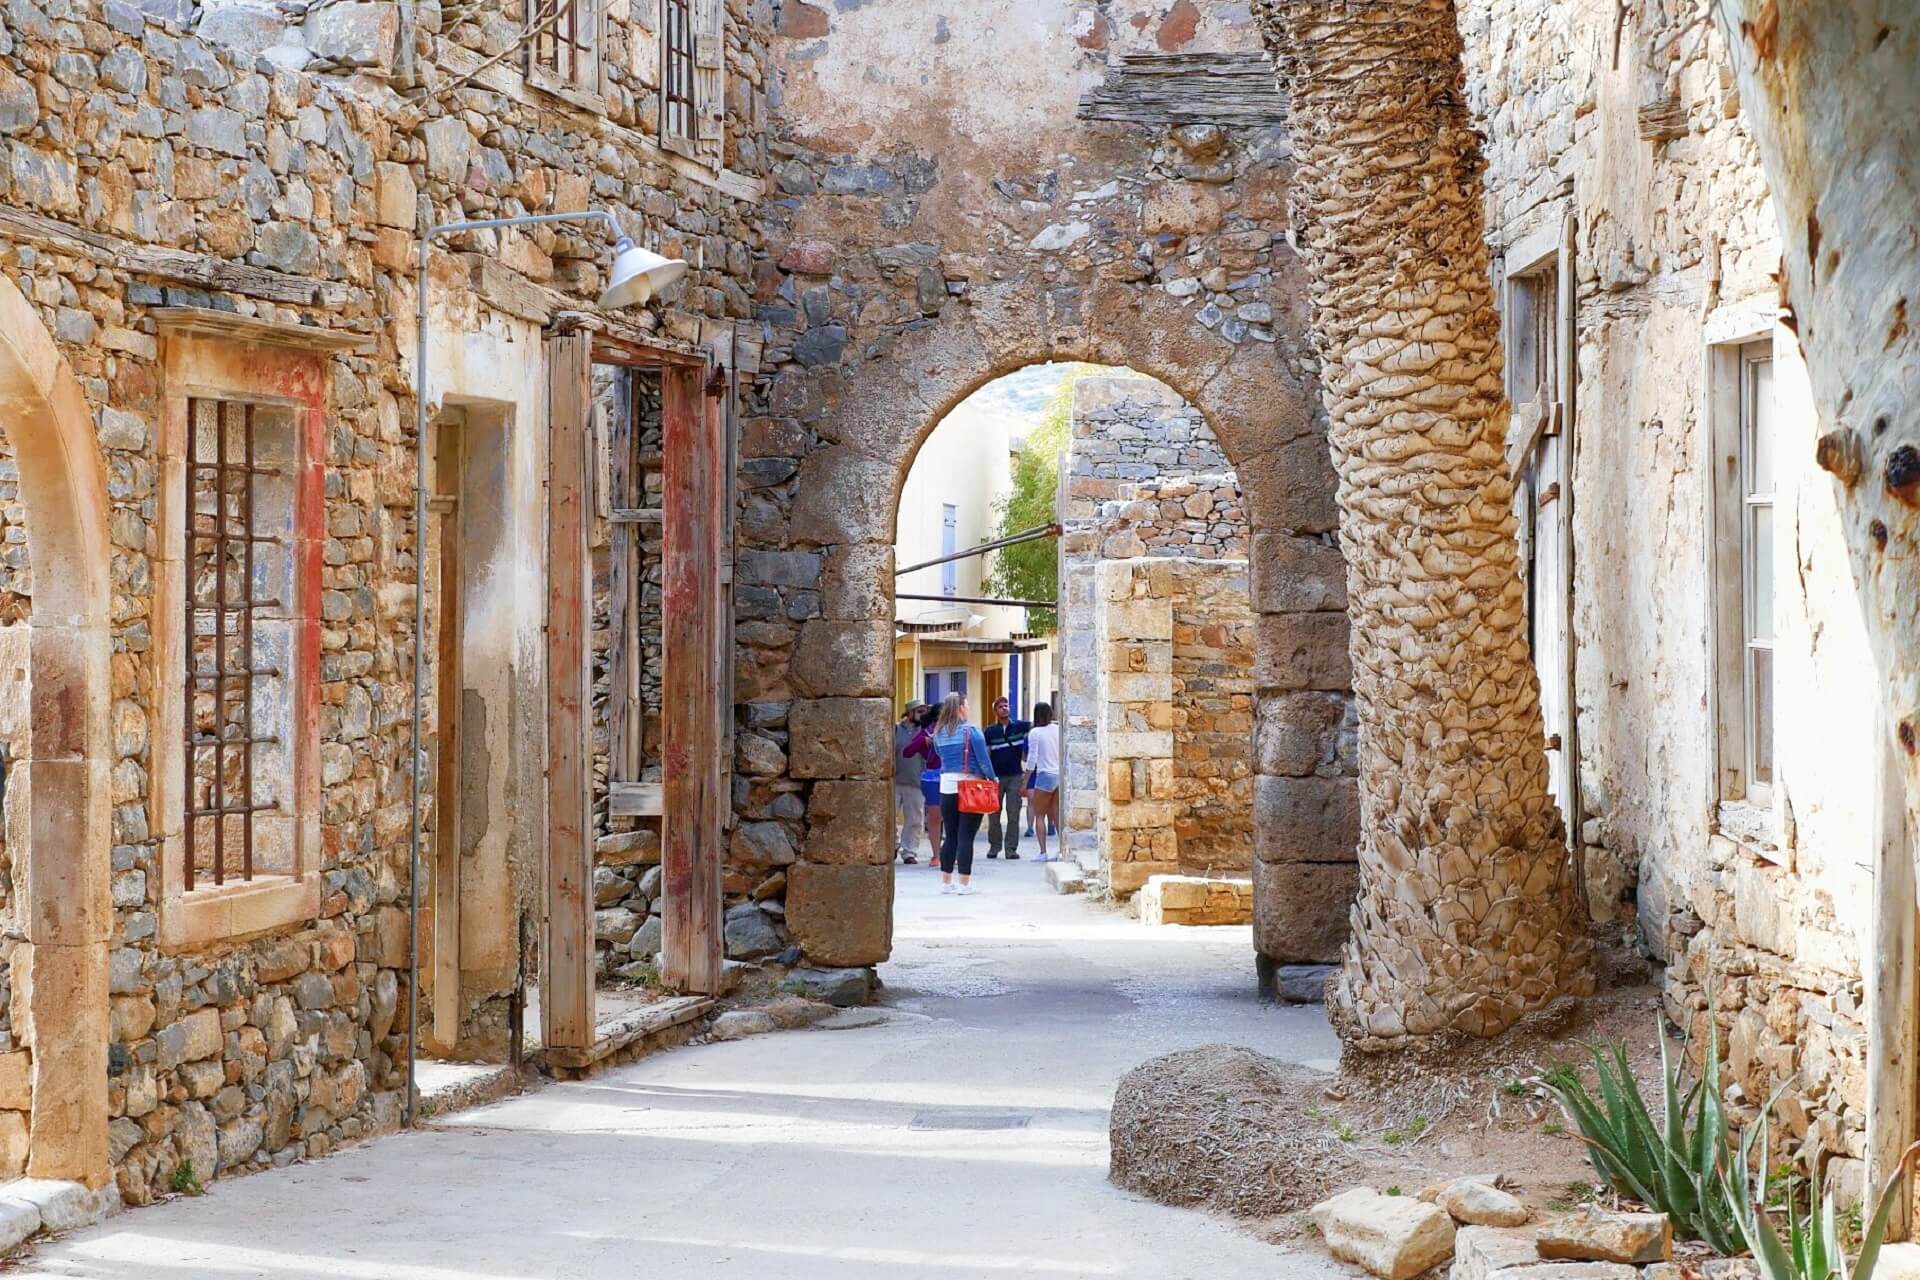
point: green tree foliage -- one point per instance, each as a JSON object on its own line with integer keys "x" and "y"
{"x": 1031, "y": 570}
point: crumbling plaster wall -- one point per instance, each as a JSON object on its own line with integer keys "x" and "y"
{"x": 941, "y": 217}
{"x": 1626, "y": 120}
{"x": 283, "y": 188}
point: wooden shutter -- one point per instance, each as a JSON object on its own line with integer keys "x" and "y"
{"x": 710, "y": 74}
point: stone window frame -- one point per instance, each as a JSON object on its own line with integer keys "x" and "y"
{"x": 587, "y": 91}
{"x": 264, "y": 372}
{"x": 1747, "y": 813}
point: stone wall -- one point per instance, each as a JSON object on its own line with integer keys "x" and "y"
{"x": 1172, "y": 775}
{"x": 266, "y": 168}
{"x": 945, "y": 214}
{"x": 1627, "y": 122}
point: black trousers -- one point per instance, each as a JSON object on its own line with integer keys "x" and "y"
{"x": 957, "y": 833}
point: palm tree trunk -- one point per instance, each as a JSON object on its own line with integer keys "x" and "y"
{"x": 1466, "y": 917}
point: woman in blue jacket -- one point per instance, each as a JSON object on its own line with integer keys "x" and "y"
{"x": 963, "y": 754}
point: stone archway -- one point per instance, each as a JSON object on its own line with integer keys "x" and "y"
{"x": 60, "y": 816}
{"x": 840, "y": 890}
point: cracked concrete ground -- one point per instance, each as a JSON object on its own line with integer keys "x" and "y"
{"x": 963, "y": 1135}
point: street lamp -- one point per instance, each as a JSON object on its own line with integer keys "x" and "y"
{"x": 637, "y": 275}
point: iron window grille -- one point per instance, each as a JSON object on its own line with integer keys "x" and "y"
{"x": 677, "y": 78}
{"x": 226, "y": 663}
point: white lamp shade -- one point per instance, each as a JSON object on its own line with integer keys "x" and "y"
{"x": 638, "y": 274}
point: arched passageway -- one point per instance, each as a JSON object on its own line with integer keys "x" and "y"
{"x": 57, "y": 798}
{"x": 840, "y": 891}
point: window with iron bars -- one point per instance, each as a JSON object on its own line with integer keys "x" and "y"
{"x": 677, "y": 79}
{"x": 565, "y": 45}
{"x": 238, "y": 642}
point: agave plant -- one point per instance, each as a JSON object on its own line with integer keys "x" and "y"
{"x": 1812, "y": 1249}
{"x": 1677, "y": 1166}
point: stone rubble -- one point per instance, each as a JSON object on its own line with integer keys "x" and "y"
{"x": 1394, "y": 1237}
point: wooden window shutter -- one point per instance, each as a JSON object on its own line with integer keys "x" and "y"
{"x": 710, "y": 73}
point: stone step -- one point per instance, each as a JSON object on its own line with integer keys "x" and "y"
{"x": 1066, "y": 877}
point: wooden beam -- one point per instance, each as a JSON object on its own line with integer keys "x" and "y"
{"x": 566, "y": 1005}
{"x": 199, "y": 269}
{"x": 636, "y": 799}
{"x": 693, "y": 630}
{"x": 1188, "y": 88}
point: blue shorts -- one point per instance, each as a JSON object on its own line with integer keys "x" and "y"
{"x": 1044, "y": 780}
{"x": 930, "y": 787}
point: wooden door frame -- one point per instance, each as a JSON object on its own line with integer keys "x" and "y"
{"x": 696, "y": 685}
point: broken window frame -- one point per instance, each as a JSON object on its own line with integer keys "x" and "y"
{"x": 693, "y": 79}
{"x": 567, "y": 58}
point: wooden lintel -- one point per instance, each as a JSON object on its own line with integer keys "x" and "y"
{"x": 203, "y": 270}
{"x": 1228, "y": 89}
{"x": 205, "y": 322}
{"x": 619, "y": 341}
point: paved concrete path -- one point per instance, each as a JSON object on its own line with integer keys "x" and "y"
{"x": 963, "y": 1136}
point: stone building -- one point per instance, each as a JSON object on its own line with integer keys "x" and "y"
{"x": 1703, "y": 662}
{"x": 1156, "y": 623}
{"x": 209, "y": 220}
{"x": 208, "y": 246}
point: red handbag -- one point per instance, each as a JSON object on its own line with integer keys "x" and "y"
{"x": 977, "y": 795}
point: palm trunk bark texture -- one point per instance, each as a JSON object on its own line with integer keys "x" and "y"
{"x": 1467, "y": 916}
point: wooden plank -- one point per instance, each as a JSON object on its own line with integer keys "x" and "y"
{"x": 168, "y": 264}
{"x": 637, "y": 799}
{"x": 623, "y": 642}
{"x": 635, "y": 515}
{"x": 566, "y": 1004}
{"x": 691, "y": 836}
{"x": 1188, "y": 88}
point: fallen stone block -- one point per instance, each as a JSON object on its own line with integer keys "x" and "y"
{"x": 63, "y": 1205}
{"x": 1195, "y": 900}
{"x": 19, "y": 1219}
{"x": 1478, "y": 1252}
{"x": 1302, "y": 983}
{"x": 1568, "y": 1271}
{"x": 1899, "y": 1261}
{"x": 1477, "y": 1202}
{"x": 1394, "y": 1237}
{"x": 738, "y": 1024}
{"x": 1593, "y": 1236}
{"x": 843, "y": 988}
{"x": 1748, "y": 1269}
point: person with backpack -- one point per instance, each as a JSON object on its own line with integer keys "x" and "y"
{"x": 1007, "y": 744}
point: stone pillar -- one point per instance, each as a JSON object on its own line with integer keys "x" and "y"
{"x": 839, "y": 895}
{"x": 1306, "y": 798}
{"x": 1134, "y": 635}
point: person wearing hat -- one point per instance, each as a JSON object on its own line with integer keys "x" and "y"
{"x": 908, "y": 802}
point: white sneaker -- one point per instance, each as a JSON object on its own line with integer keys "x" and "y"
{"x": 949, "y": 888}
{"x": 966, "y": 889}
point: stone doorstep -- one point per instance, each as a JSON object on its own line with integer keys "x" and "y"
{"x": 617, "y": 1038}
{"x": 1066, "y": 877}
{"x": 474, "y": 1090}
{"x": 31, "y": 1206}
